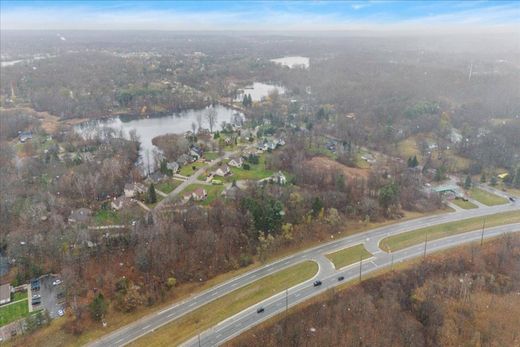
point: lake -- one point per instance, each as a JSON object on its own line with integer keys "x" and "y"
{"x": 293, "y": 62}
{"x": 258, "y": 91}
{"x": 148, "y": 128}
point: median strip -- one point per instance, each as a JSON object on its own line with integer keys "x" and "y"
{"x": 404, "y": 240}
{"x": 348, "y": 256}
{"x": 204, "y": 317}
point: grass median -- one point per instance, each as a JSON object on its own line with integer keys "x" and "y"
{"x": 486, "y": 198}
{"x": 204, "y": 317}
{"x": 348, "y": 256}
{"x": 414, "y": 237}
{"x": 464, "y": 204}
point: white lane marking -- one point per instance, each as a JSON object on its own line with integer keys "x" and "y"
{"x": 146, "y": 327}
{"x": 254, "y": 276}
{"x": 170, "y": 315}
{"x": 214, "y": 294}
{"x": 120, "y": 340}
{"x": 192, "y": 304}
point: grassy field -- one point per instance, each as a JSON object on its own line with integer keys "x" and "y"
{"x": 256, "y": 172}
{"x": 486, "y": 198}
{"x": 348, "y": 256}
{"x": 104, "y": 217}
{"x": 168, "y": 186}
{"x": 213, "y": 191}
{"x": 208, "y": 315}
{"x": 19, "y": 296}
{"x": 414, "y": 237}
{"x": 187, "y": 170}
{"x": 12, "y": 312}
{"x": 211, "y": 155}
{"x": 464, "y": 204}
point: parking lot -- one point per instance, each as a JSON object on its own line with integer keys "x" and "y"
{"x": 51, "y": 294}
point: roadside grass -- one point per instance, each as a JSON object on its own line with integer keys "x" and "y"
{"x": 180, "y": 330}
{"x": 19, "y": 296}
{"x": 212, "y": 190}
{"x": 104, "y": 217}
{"x": 187, "y": 170}
{"x": 12, "y": 312}
{"x": 168, "y": 186}
{"x": 464, "y": 204}
{"x": 486, "y": 198}
{"x": 414, "y": 237}
{"x": 348, "y": 256}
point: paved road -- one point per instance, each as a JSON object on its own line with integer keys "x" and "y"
{"x": 277, "y": 304}
{"x": 370, "y": 238}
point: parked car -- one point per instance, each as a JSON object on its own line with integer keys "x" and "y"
{"x": 36, "y": 296}
{"x": 61, "y": 313}
{"x": 260, "y": 310}
{"x": 341, "y": 278}
{"x": 36, "y": 301}
{"x": 55, "y": 283}
{"x": 317, "y": 283}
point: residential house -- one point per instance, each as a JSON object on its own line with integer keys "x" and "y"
{"x": 133, "y": 189}
{"x": 24, "y": 136}
{"x": 222, "y": 171}
{"x": 81, "y": 215}
{"x": 198, "y": 194}
{"x": 279, "y": 178}
{"x": 236, "y": 162}
{"x": 5, "y": 293}
{"x": 174, "y": 166}
{"x": 196, "y": 152}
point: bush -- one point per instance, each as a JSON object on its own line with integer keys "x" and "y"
{"x": 246, "y": 166}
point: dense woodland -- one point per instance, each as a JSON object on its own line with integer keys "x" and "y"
{"x": 467, "y": 298}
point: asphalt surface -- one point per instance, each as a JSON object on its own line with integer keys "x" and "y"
{"x": 326, "y": 273}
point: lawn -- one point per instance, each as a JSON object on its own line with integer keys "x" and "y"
{"x": 414, "y": 237}
{"x": 464, "y": 204}
{"x": 12, "y": 312}
{"x": 348, "y": 256}
{"x": 212, "y": 190}
{"x": 187, "y": 170}
{"x": 216, "y": 311}
{"x": 104, "y": 217}
{"x": 486, "y": 198}
{"x": 19, "y": 296}
{"x": 211, "y": 155}
{"x": 168, "y": 186}
{"x": 256, "y": 172}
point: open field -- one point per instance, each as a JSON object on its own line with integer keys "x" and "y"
{"x": 464, "y": 204}
{"x": 325, "y": 163}
{"x": 206, "y": 316}
{"x": 11, "y": 312}
{"x": 486, "y": 198}
{"x": 168, "y": 186}
{"x": 411, "y": 238}
{"x": 211, "y": 155}
{"x": 348, "y": 256}
{"x": 256, "y": 172}
{"x": 104, "y": 217}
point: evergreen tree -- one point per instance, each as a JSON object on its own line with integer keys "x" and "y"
{"x": 483, "y": 178}
{"x": 493, "y": 181}
{"x": 415, "y": 162}
{"x": 151, "y": 197}
{"x": 516, "y": 180}
{"x": 164, "y": 167}
{"x": 98, "y": 307}
{"x": 467, "y": 182}
{"x": 317, "y": 205}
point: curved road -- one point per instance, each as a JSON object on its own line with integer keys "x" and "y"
{"x": 327, "y": 273}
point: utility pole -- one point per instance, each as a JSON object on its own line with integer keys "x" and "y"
{"x": 482, "y": 236}
{"x": 360, "y": 266}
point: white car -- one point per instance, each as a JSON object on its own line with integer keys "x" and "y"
{"x": 55, "y": 283}
{"x": 61, "y": 313}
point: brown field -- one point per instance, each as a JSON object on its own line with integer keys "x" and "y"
{"x": 327, "y": 164}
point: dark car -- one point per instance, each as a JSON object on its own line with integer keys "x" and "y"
{"x": 260, "y": 310}
{"x": 35, "y": 284}
{"x": 511, "y": 199}
{"x": 317, "y": 283}
{"x": 36, "y": 301}
{"x": 341, "y": 278}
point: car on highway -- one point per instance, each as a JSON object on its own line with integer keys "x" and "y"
{"x": 511, "y": 199}
{"x": 260, "y": 310}
{"x": 341, "y": 278}
{"x": 317, "y": 283}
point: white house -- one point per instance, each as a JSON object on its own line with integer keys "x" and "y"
{"x": 236, "y": 162}
{"x": 222, "y": 171}
{"x": 132, "y": 189}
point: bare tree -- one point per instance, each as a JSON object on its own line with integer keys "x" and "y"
{"x": 199, "y": 119}
{"x": 211, "y": 116}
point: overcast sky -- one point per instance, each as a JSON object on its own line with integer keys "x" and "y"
{"x": 260, "y": 15}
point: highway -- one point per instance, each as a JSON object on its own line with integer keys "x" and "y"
{"x": 326, "y": 273}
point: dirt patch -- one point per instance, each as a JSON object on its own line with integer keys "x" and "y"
{"x": 327, "y": 164}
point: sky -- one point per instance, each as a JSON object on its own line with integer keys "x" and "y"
{"x": 260, "y": 15}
